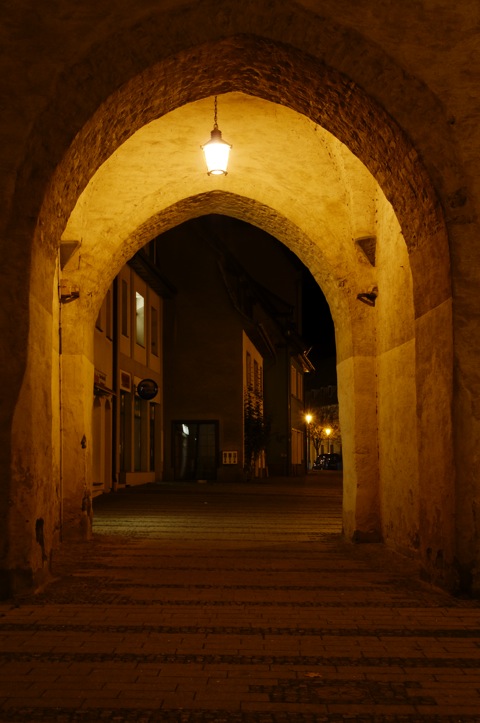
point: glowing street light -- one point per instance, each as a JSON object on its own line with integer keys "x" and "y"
{"x": 308, "y": 419}
{"x": 328, "y": 432}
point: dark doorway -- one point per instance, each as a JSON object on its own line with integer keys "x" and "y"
{"x": 195, "y": 452}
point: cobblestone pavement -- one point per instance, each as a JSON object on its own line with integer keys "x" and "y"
{"x": 242, "y": 603}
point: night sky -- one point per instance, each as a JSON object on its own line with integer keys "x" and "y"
{"x": 318, "y": 328}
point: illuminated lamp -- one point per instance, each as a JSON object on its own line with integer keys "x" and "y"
{"x": 216, "y": 150}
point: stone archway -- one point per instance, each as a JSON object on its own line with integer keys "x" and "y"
{"x": 316, "y": 94}
{"x": 378, "y": 350}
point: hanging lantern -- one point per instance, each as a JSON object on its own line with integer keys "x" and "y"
{"x": 216, "y": 150}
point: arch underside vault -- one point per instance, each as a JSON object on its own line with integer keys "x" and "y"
{"x": 316, "y": 164}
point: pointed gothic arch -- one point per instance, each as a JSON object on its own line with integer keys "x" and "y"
{"x": 328, "y": 99}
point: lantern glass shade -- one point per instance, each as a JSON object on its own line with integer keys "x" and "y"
{"x": 216, "y": 154}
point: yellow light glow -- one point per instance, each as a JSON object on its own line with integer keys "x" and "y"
{"x": 216, "y": 153}
{"x": 308, "y": 418}
{"x": 328, "y": 431}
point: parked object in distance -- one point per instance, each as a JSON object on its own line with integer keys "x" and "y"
{"x": 328, "y": 461}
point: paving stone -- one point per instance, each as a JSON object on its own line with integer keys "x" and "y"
{"x": 255, "y": 610}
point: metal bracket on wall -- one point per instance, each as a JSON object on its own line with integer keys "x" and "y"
{"x": 68, "y": 293}
{"x": 368, "y": 297}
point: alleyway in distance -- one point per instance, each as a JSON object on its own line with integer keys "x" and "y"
{"x": 202, "y": 602}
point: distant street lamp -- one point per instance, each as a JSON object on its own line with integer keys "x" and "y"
{"x": 308, "y": 419}
{"x": 328, "y": 432}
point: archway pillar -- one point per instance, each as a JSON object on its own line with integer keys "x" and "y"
{"x": 76, "y": 411}
{"x": 30, "y": 489}
{"x": 356, "y": 377}
{"x": 434, "y": 352}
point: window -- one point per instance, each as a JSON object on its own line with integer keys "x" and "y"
{"x": 108, "y": 324}
{"x": 124, "y": 307}
{"x": 297, "y": 446}
{"x": 152, "y": 436}
{"x": 140, "y": 318}
{"x": 255, "y": 376}
{"x": 249, "y": 370}
{"x": 296, "y": 382}
{"x": 98, "y": 323}
{"x": 140, "y": 410}
{"x": 125, "y": 430}
{"x": 299, "y": 385}
{"x": 154, "y": 330}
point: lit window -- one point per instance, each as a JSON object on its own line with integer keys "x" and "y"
{"x": 140, "y": 318}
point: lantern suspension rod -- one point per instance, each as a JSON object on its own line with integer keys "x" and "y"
{"x": 215, "y": 124}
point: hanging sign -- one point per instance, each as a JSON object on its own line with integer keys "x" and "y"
{"x": 147, "y": 389}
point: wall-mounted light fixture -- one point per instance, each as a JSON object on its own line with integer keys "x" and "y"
{"x": 216, "y": 150}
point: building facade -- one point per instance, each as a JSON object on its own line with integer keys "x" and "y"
{"x": 227, "y": 353}
{"x": 181, "y": 391}
{"x": 128, "y": 388}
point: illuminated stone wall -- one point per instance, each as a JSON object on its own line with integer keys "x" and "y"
{"x": 105, "y": 109}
